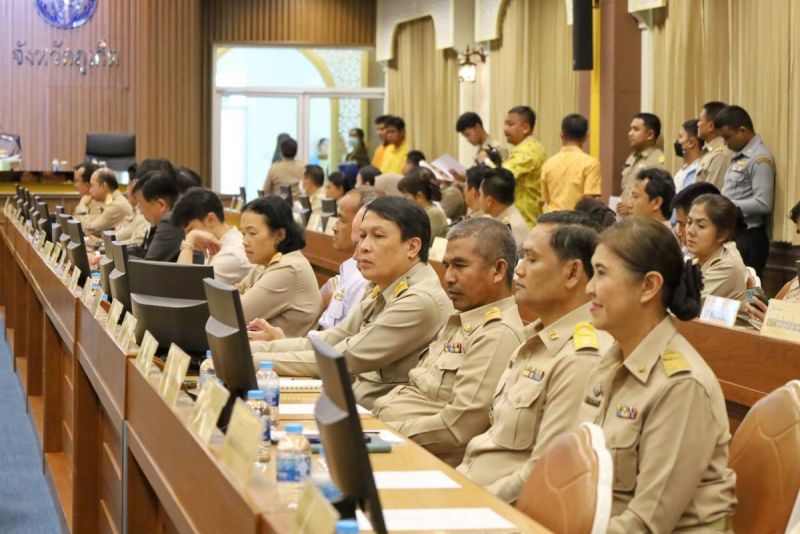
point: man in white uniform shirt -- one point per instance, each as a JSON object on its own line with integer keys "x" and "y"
{"x": 199, "y": 212}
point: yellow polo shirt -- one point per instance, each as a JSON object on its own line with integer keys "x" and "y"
{"x": 394, "y": 158}
{"x": 567, "y": 177}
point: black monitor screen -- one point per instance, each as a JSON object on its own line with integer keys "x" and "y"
{"x": 76, "y": 250}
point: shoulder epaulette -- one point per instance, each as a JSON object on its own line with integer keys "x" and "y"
{"x": 674, "y": 362}
{"x": 585, "y": 336}
{"x": 492, "y": 314}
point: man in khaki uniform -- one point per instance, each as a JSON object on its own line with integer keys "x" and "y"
{"x": 661, "y": 390}
{"x": 114, "y": 206}
{"x": 385, "y": 336}
{"x": 497, "y": 191}
{"x": 446, "y": 402}
{"x": 642, "y": 137}
{"x": 285, "y": 171}
{"x": 86, "y": 205}
{"x": 539, "y": 394}
{"x": 716, "y": 157}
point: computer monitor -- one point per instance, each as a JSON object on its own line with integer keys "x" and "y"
{"x": 328, "y": 211}
{"x": 76, "y": 250}
{"x": 62, "y": 219}
{"x": 118, "y": 277}
{"x": 305, "y": 208}
{"x": 243, "y": 195}
{"x": 286, "y": 194}
{"x": 343, "y": 438}
{"x": 59, "y": 209}
{"x": 107, "y": 261}
{"x": 169, "y": 300}
{"x": 226, "y": 331}
{"x": 44, "y": 220}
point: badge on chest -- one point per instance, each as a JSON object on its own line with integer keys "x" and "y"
{"x": 625, "y": 411}
{"x": 534, "y": 374}
{"x": 454, "y": 347}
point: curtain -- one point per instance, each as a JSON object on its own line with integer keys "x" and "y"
{"x": 745, "y": 53}
{"x": 423, "y": 89}
{"x": 532, "y": 65}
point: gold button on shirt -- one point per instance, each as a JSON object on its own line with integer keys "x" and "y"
{"x": 446, "y": 401}
{"x": 536, "y": 399}
{"x": 667, "y": 430}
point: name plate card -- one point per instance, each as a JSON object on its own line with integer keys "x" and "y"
{"x": 173, "y": 375}
{"x": 57, "y": 249}
{"x": 720, "y": 311}
{"x": 210, "y": 401}
{"x": 47, "y": 252}
{"x": 314, "y": 512}
{"x": 147, "y": 351}
{"x": 113, "y": 315}
{"x": 73, "y": 281}
{"x": 62, "y": 258}
{"x": 240, "y": 449}
{"x": 127, "y": 332}
{"x": 438, "y": 248}
{"x": 87, "y": 292}
{"x": 782, "y": 321}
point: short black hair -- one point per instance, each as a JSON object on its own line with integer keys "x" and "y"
{"x": 278, "y": 215}
{"x": 108, "y": 176}
{"x": 574, "y": 217}
{"x": 288, "y": 148}
{"x": 575, "y": 242}
{"x": 712, "y": 108}
{"x": 733, "y": 117}
{"x": 340, "y": 180}
{"x": 197, "y": 203}
{"x": 414, "y": 157}
{"x": 408, "y": 216}
{"x": 691, "y": 128}
{"x": 315, "y": 174}
{"x": 187, "y": 178}
{"x": 659, "y": 184}
{"x": 396, "y": 122}
{"x": 527, "y": 114}
{"x": 685, "y": 197}
{"x": 381, "y": 119}
{"x": 475, "y": 176}
{"x": 368, "y": 174}
{"x": 157, "y": 164}
{"x": 88, "y": 169}
{"x": 420, "y": 180}
{"x": 157, "y": 185}
{"x": 499, "y": 184}
{"x": 651, "y": 122}
{"x": 132, "y": 168}
{"x": 595, "y": 208}
{"x": 493, "y": 241}
{"x": 794, "y": 213}
{"x": 574, "y": 127}
{"x": 470, "y": 119}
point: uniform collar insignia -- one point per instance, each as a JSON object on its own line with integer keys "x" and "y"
{"x": 276, "y": 258}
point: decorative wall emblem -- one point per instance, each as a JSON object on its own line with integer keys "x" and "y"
{"x": 66, "y": 14}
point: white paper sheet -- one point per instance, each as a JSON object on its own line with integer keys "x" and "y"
{"x": 307, "y": 409}
{"x": 613, "y": 202}
{"x": 386, "y": 480}
{"x": 446, "y": 519}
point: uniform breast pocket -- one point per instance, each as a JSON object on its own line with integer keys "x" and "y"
{"x": 446, "y": 370}
{"x": 517, "y": 418}
{"x": 622, "y": 439}
{"x": 736, "y": 175}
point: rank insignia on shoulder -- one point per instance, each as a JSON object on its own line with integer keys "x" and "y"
{"x": 584, "y": 336}
{"x": 399, "y": 288}
{"x": 674, "y": 362}
{"x": 627, "y": 412}
{"x": 741, "y": 162}
{"x": 375, "y": 292}
{"x": 588, "y": 399}
{"x": 536, "y": 374}
{"x": 492, "y": 314}
{"x": 661, "y": 159}
{"x": 276, "y": 258}
{"x": 765, "y": 159}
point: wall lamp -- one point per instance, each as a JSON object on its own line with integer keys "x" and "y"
{"x": 467, "y": 69}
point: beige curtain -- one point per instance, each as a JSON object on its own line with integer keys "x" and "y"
{"x": 423, "y": 89}
{"x": 739, "y": 52}
{"x": 531, "y": 64}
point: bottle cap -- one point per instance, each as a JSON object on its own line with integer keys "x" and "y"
{"x": 255, "y": 394}
{"x": 208, "y": 354}
{"x": 347, "y": 526}
{"x": 265, "y": 365}
{"x": 294, "y": 428}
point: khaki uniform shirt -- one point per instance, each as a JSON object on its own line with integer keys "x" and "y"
{"x": 285, "y": 293}
{"x": 793, "y": 294}
{"x": 750, "y": 182}
{"x": 446, "y": 402}
{"x": 663, "y": 415}
{"x": 87, "y": 206}
{"x": 133, "y": 228}
{"x": 537, "y": 398}
{"x": 519, "y": 227}
{"x": 713, "y": 163}
{"x": 525, "y": 163}
{"x": 382, "y": 339}
{"x": 453, "y": 201}
{"x": 286, "y": 171}
{"x": 725, "y": 274}
{"x": 439, "y": 224}
{"x": 113, "y": 211}
{"x": 569, "y": 176}
{"x": 651, "y": 157}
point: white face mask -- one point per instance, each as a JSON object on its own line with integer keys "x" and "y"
{"x": 352, "y": 142}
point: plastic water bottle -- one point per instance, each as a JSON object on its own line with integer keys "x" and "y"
{"x": 55, "y": 165}
{"x": 294, "y": 464}
{"x": 321, "y": 476}
{"x": 270, "y": 384}
{"x": 206, "y": 370}
{"x": 347, "y": 526}
{"x": 255, "y": 401}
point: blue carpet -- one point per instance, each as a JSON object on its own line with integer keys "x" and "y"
{"x": 25, "y": 502}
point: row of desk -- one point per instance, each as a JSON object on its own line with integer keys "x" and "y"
{"x": 117, "y": 458}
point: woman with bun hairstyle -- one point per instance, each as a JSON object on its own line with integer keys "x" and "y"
{"x": 660, "y": 406}
{"x": 711, "y": 228}
{"x": 419, "y": 185}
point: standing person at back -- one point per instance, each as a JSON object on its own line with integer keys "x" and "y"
{"x": 285, "y": 171}
{"x": 525, "y": 161}
{"x": 716, "y": 156}
{"x": 380, "y": 131}
{"x": 642, "y": 137}
{"x": 470, "y": 126}
{"x": 395, "y": 152}
{"x": 749, "y": 182}
{"x": 689, "y": 147}
{"x": 572, "y": 173}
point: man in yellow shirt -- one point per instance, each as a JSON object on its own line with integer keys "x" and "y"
{"x": 396, "y": 150}
{"x": 571, "y": 174}
{"x": 525, "y": 161}
{"x": 380, "y": 130}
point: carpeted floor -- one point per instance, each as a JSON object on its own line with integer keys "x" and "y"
{"x": 25, "y": 502}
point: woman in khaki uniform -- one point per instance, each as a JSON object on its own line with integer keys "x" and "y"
{"x": 281, "y": 286}
{"x": 419, "y": 186}
{"x": 659, "y": 404}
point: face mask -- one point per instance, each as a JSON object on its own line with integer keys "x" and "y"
{"x": 352, "y": 142}
{"x": 678, "y": 149}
